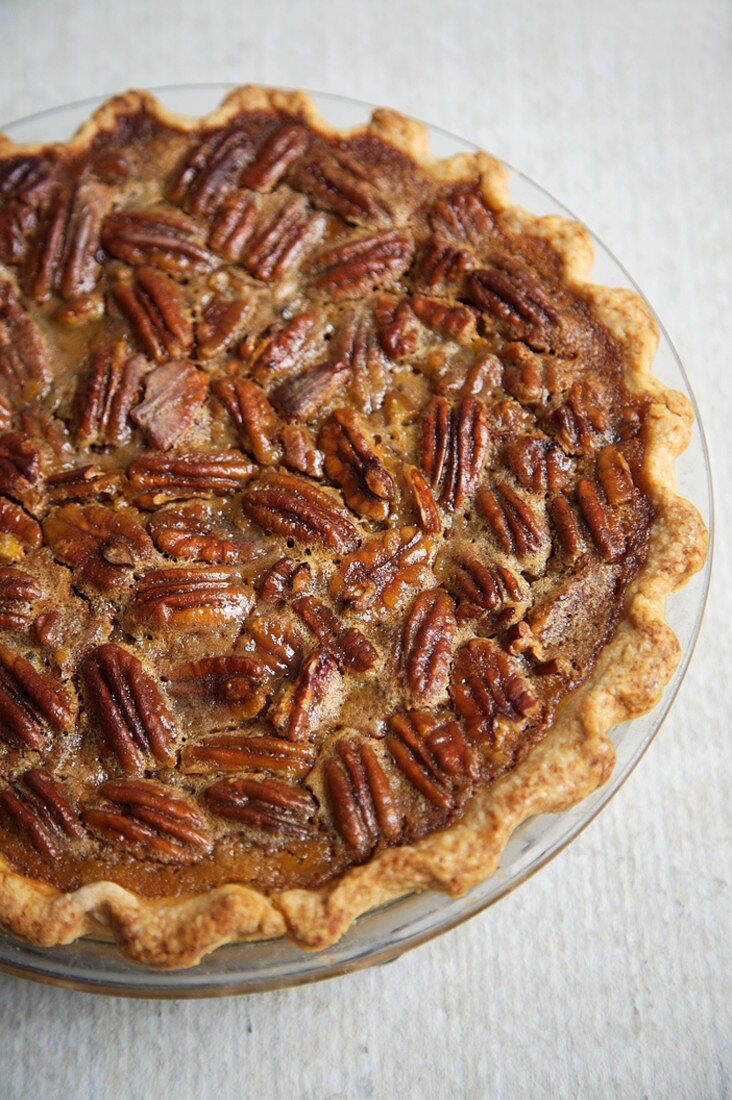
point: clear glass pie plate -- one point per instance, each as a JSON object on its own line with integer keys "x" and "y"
{"x": 381, "y": 935}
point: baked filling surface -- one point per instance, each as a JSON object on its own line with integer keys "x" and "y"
{"x": 323, "y": 486}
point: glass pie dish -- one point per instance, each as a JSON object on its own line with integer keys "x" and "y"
{"x": 383, "y": 934}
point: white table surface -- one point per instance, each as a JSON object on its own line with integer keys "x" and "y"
{"x": 608, "y": 974}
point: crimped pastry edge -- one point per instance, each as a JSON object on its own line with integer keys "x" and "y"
{"x": 574, "y": 758}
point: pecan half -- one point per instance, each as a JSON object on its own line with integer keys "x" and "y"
{"x": 156, "y": 309}
{"x": 174, "y": 392}
{"x": 362, "y": 803}
{"x": 275, "y": 156}
{"x": 19, "y": 532}
{"x": 483, "y": 586}
{"x": 233, "y": 225}
{"x": 235, "y": 679}
{"x": 25, "y": 186}
{"x": 163, "y": 239}
{"x": 197, "y": 597}
{"x": 517, "y": 300}
{"x": 429, "y": 514}
{"x": 582, "y": 423}
{"x": 566, "y": 527}
{"x": 462, "y": 215}
{"x": 211, "y": 171}
{"x": 355, "y": 465}
{"x": 307, "y": 394}
{"x": 18, "y": 591}
{"x": 20, "y": 464}
{"x": 40, "y": 808}
{"x": 236, "y": 752}
{"x": 427, "y": 639}
{"x": 454, "y": 322}
{"x": 386, "y": 566}
{"x": 159, "y": 479}
{"x": 81, "y": 483}
{"x": 440, "y": 266}
{"x": 454, "y": 447}
{"x": 198, "y": 531}
{"x": 283, "y": 240}
{"x": 485, "y": 685}
{"x": 290, "y": 506}
{"x": 615, "y": 476}
{"x": 269, "y": 804}
{"x": 31, "y": 702}
{"x": 513, "y": 521}
{"x": 105, "y": 395}
{"x": 356, "y": 344}
{"x": 341, "y": 184}
{"x": 101, "y": 544}
{"x": 299, "y": 452}
{"x": 23, "y": 365}
{"x": 350, "y": 648}
{"x": 600, "y": 520}
{"x": 255, "y": 420}
{"x": 284, "y": 347}
{"x": 272, "y": 644}
{"x": 433, "y": 756}
{"x": 64, "y": 259}
{"x": 221, "y": 323}
{"x": 152, "y": 819}
{"x": 355, "y": 268}
{"x": 396, "y": 327}
{"x": 297, "y": 712}
{"x": 538, "y": 463}
{"x": 284, "y": 579}
{"x": 128, "y": 707}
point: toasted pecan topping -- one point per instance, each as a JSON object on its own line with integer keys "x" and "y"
{"x": 150, "y": 818}
{"x": 384, "y": 569}
{"x": 40, "y": 807}
{"x": 105, "y": 395}
{"x": 290, "y": 506}
{"x": 159, "y": 478}
{"x": 435, "y": 758}
{"x": 64, "y": 259}
{"x": 24, "y": 368}
{"x": 102, "y": 544}
{"x": 485, "y": 685}
{"x": 156, "y": 311}
{"x": 355, "y": 464}
{"x": 128, "y": 707}
{"x": 211, "y": 171}
{"x": 235, "y": 752}
{"x": 269, "y": 804}
{"x": 352, "y": 269}
{"x": 454, "y": 448}
{"x": 197, "y": 597}
{"x": 19, "y": 532}
{"x": 174, "y": 392}
{"x": 350, "y": 648}
{"x": 361, "y": 799}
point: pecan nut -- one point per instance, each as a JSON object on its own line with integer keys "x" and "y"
{"x": 427, "y": 638}
{"x": 163, "y": 239}
{"x": 198, "y": 531}
{"x": 275, "y": 157}
{"x": 486, "y": 685}
{"x": 517, "y": 301}
{"x": 18, "y": 592}
{"x": 298, "y": 710}
{"x": 235, "y": 680}
{"x": 454, "y": 447}
{"x": 270, "y": 804}
{"x": 463, "y": 216}
{"x": 174, "y": 393}
{"x": 433, "y": 756}
{"x": 105, "y": 396}
{"x": 353, "y": 269}
{"x": 382, "y": 571}
{"x": 155, "y": 308}
{"x": 64, "y": 259}
{"x": 19, "y": 532}
{"x": 355, "y": 465}
{"x": 81, "y": 483}
{"x": 150, "y": 819}
{"x": 101, "y": 543}
{"x": 305, "y": 395}
{"x": 159, "y": 478}
{"x": 211, "y": 171}
{"x": 221, "y": 323}
{"x": 31, "y": 702}
{"x": 236, "y": 752}
{"x": 350, "y": 648}
{"x": 128, "y": 707}
{"x": 515, "y": 524}
{"x": 23, "y": 365}
{"x": 283, "y": 240}
{"x": 363, "y": 806}
{"x": 20, "y": 464}
{"x": 197, "y": 597}
{"x": 538, "y": 464}
{"x": 255, "y": 420}
{"x": 288, "y": 505}
{"x": 40, "y": 808}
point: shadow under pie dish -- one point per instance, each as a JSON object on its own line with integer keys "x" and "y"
{"x": 338, "y": 518}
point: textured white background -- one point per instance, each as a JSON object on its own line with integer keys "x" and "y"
{"x": 609, "y": 973}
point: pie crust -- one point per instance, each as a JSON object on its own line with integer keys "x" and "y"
{"x": 574, "y": 756}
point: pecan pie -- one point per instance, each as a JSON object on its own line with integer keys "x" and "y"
{"x": 337, "y": 519}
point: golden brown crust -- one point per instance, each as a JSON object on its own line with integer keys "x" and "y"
{"x": 567, "y": 765}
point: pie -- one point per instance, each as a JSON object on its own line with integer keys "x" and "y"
{"x": 337, "y": 518}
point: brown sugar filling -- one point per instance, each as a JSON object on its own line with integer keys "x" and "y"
{"x": 319, "y": 492}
